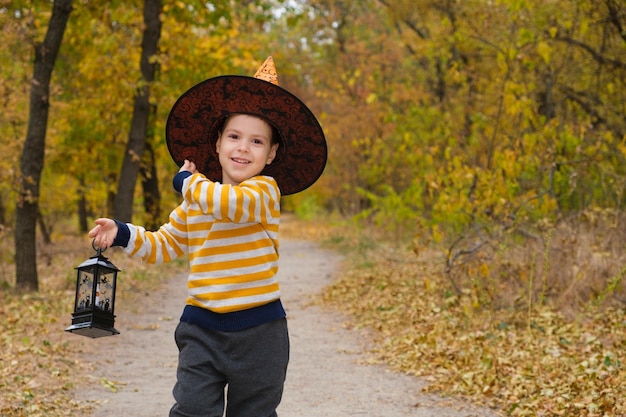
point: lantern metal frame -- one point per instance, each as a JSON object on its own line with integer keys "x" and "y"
{"x": 94, "y": 300}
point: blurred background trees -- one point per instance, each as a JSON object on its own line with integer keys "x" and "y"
{"x": 482, "y": 126}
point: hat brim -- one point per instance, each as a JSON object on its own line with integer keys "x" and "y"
{"x": 191, "y": 130}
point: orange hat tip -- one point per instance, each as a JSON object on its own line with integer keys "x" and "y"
{"x": 267, "y": 71}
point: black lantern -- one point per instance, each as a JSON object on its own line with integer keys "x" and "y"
{"x": 95, "y": 297}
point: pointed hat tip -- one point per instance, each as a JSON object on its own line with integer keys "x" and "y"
{"x": 267, "y": 71}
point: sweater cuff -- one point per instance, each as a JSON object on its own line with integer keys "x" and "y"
{"x": 179, "y": 179}
{"x": 123, "y": 234}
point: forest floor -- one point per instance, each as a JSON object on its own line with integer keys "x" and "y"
{"x": 330, "y": 372}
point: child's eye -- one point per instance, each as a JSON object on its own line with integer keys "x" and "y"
{"x": 233, "y": 136}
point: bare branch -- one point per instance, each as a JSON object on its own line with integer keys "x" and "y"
{"x": 597, "y": 56}
{"x": 614, "y": 17}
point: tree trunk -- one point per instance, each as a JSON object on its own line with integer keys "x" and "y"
{"x": 150, "y": 179}
{"x": 83, "y": 224}
{"x": 123, "y": 204}
{"x": 33, "y": 153}
{"x": 151, "y": 193}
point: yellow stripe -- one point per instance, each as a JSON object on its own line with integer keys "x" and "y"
{"x": 259, "y": 276}
{"x": 234, "y": 248}
{"x": 234, "y": 264}
{"x": 246, "y": 292}
{"x": 194, "y": 213}
{"x": 236, "y": 232}
{"x": 198, "y": 190}
{"x": 225, "y": 201}
{"x": 151, "y": 257}
{"x": 172, "y": 243}
{"x": 137, "y": 243}
{"x": 252, "y": 207}
{"x": 198, "y": 227}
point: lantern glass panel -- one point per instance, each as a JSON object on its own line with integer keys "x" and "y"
{"x": 85, "y": 290}
{"x": 104, "y": 291}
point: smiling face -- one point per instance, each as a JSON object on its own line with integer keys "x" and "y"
{"x": 244, "y": 147}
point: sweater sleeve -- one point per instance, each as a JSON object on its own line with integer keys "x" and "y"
{"x": 178, "y": 180}
{"x": 255, "y": 200}
{"x": 170, "y": 242}
{"x": 123, "y": 234}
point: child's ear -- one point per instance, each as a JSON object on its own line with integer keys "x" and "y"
{"x": 217, "y": 143}
{"x": 272, "y": 154}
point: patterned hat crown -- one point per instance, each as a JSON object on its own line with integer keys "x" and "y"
{"x": 267, "y": 71}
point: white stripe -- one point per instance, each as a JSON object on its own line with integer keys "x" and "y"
{"x": 212, "y": 288}
{"x": 231, "y": 256}
{"x": 249, "y": 270}
{"x": 228, "y": 241}
{"x": 231, "y": 302}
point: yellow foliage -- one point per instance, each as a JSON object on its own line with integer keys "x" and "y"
{"x": 484, "y": 270}
{"x": 545, "y": 51}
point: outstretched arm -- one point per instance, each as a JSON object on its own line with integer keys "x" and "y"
{"x": 104, "y": 233}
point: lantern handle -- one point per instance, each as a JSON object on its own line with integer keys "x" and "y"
{"x": 99, "y": 250}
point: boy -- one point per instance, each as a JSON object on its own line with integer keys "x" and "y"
{"x": 241, "y": 142}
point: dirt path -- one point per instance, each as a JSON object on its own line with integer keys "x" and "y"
{"x": 324, "y": 378}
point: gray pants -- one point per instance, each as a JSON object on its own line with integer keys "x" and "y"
{"x": 251, "y": 362}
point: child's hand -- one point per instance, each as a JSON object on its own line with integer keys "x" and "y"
{"x": 188, "y": 166}
{"x": 104, "y": 233}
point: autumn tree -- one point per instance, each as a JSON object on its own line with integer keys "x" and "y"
{"x": 32, "y": 160}
{"x": 123, "y": 203}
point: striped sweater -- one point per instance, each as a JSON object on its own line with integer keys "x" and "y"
{"x": 231, "y": 236}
